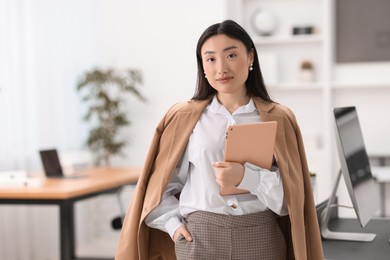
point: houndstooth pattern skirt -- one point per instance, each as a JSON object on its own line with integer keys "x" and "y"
{"x": 254, "y": 236}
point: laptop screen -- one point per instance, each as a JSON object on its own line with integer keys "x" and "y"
{"x": 51, "y": 163}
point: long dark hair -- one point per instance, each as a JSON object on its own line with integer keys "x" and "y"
{"x": 254, "y": 83}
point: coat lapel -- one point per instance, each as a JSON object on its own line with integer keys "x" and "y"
{"x": 281, "y": 153}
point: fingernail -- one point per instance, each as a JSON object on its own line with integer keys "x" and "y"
{"x": 189, "y": 238}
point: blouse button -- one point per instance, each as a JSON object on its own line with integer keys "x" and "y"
{"x": 233, "y": 206}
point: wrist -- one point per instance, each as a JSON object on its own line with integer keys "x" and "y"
{"x": 172, "y": 225}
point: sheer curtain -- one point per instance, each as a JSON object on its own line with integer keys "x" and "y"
{"x": 45, "y": 45}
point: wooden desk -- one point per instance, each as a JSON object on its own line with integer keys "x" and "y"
{"x": 65, "y": 192}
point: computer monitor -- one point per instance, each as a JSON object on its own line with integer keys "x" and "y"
{"x": 356, "y": 170}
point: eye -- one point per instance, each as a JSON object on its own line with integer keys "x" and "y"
{"x": 231, "y": 56}
{"x": 210, "y": 59}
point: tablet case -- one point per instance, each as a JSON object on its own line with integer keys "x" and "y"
{"x": 253, "y": 143}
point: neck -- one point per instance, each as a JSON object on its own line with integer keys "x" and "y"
{"x": 233, "y": 102}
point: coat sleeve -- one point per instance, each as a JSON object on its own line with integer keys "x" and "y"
{"x": 137, "y": 241}
{"x": 314, "y": 248}
{"x": 128, "y": 242}
{"x": 313, "y": 235}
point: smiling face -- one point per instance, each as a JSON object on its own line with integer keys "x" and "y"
{"x": 226, "y": 64}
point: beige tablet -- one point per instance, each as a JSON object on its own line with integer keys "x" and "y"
{"x": 253, "y": 143}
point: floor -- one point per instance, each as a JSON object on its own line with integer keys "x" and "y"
{"x": 102, "y": 247}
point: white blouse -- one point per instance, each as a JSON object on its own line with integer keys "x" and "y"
{"x": 194, "y": 176}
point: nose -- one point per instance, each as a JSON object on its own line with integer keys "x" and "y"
{"x": 222, "y": 67}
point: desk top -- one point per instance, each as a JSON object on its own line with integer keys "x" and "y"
{"x": 381, "y": 173}
{"x": 379, "y": 249}
{"x": 96, "y": 180}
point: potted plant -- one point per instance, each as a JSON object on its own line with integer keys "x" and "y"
{"x": 105, "y": 92}
{"x": 307, "y": 71}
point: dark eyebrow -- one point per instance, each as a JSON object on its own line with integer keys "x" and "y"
{"x": 230, "y": 48}
{"x": 226, "y": 49}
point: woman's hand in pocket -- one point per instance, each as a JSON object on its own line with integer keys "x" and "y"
{"x": 182, "y": 231}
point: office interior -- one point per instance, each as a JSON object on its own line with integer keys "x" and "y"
{"x": 46, "y": 46}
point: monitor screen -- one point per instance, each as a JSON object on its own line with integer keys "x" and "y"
{"x": 355, "y": 166}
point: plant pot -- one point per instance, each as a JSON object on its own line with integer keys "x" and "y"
{"x": 307, "y": 75}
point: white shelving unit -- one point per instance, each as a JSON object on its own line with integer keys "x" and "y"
{"x": 283, "y": 40}
{"x": 364, "y": 85}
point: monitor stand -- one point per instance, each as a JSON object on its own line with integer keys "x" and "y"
{"x": 333, "y": 235}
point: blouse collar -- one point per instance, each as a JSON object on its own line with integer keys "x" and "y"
{"x": 218, "y": 108}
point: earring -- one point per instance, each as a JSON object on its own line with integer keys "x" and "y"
{"x": 251, "y": 67}
{"x": 205, "y": 75}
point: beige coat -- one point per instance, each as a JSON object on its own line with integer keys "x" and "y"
{"x": 139, "y": 242}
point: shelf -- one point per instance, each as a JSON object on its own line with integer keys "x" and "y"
{"x": 359, "y": 85}
{"x": 292, "y": 39}
{"x": 296, "y": 86}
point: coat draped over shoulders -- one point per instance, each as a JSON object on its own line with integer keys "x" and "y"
{"x": 139, "y": 242}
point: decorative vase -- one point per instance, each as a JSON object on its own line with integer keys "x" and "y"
{"x": 264, "y": 22}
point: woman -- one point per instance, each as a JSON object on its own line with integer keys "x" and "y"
{"x": 178, "y": 212}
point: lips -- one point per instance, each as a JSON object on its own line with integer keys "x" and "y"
{"x": 224, "y": 79}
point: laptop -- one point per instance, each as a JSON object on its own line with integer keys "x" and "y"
{"x": 52, "y": 165}
{"x": 253, "y": 143}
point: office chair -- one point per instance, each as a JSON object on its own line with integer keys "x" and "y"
{"x": 124, "y": 196}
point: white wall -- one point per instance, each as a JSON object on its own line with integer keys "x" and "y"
{"x": 159, "y": 38}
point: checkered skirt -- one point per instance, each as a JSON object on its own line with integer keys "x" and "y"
{"x": 254, "y": 236}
